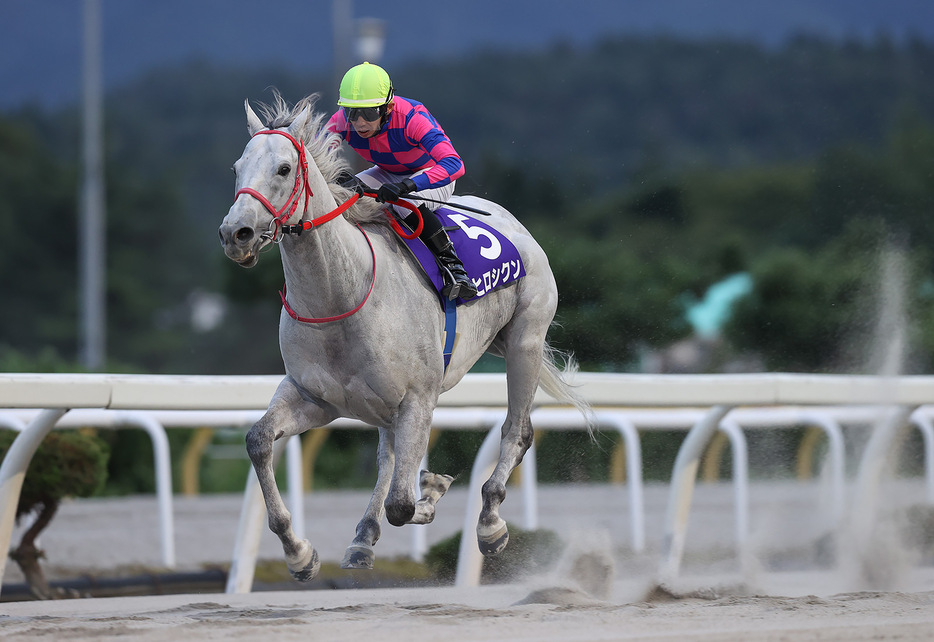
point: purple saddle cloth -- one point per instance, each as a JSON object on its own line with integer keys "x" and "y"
{"x": 490, "y": 259}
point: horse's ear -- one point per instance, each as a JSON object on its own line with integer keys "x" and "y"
{"x": 298, "y": 126}
{"x": 253, "y": 123}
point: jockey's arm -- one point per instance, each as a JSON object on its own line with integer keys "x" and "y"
{"x": 445, "y": 170}
{"x": 423, "y": 132}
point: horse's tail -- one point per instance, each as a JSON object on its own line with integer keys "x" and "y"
{"x": 554, "y": 381}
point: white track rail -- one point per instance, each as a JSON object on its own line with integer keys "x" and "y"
{"x": 715, "y": 395}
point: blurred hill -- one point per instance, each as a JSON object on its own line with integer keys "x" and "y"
{"x": 40, "y": 40}
{"x": 586, "y": 121}
{"x": 649, "y": 167}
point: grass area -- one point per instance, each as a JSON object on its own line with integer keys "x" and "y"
{"x": 399, "y": 569}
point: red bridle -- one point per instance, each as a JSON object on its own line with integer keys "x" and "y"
{"x": 286, "y": 212}
{"x": 301, "y": 184}
{"x": 300, "y": 188}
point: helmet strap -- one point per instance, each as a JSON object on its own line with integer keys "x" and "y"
{"x": 385, "y": 109}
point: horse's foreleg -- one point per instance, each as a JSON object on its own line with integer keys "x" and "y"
{"x": 283, "y": 419}
{"x": 433, "y": 487}
{"x": 410, "y": 441}
{"x": 360, "y": 552}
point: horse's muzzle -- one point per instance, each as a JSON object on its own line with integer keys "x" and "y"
{"x": 240, "y": 244}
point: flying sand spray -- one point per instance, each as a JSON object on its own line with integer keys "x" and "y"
{"x": 871, "y": 556}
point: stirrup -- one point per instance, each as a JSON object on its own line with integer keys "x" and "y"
{"x": 457, "y": 288}
{"x": 457, "y": 283}
{"x": 466, "y": 289}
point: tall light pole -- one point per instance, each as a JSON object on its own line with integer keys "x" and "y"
{"x": 342, "y": 31}
{"x": 370, "y": 40}
{"x": 92, "y": 248}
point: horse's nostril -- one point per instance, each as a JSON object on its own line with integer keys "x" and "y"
{"x": 244, "y": 234}
{"x": 220, "y": 233}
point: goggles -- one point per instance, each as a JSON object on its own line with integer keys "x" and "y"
{"x": 368, "y": 114}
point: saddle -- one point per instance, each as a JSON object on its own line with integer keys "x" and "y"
{"x": 490, "y": 259}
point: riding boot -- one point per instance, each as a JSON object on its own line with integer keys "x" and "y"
{"x": 456, "y": 282}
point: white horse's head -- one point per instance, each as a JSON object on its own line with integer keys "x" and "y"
{"x": 272, "y": 186}
{"x": 290, "y": 165}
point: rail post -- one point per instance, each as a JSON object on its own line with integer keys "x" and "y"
{"x": 683, "y": 478}
{"x": 13, "y": 472}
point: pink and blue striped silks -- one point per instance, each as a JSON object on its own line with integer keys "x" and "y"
{"x": 409, "y": 141}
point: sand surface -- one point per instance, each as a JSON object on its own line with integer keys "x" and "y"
{"x": 483, "y": 613}
{"x": 778, "y": 596}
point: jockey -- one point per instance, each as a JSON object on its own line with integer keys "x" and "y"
{"x": 410, "y": 153}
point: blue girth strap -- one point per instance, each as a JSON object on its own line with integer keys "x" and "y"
{"x": 450, "y": 327}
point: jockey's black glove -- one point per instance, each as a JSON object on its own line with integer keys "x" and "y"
{"x": 351, "y": 182}
{"x": 390, "y": 192}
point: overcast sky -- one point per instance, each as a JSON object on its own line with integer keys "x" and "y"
{"x": 40, "y": 40}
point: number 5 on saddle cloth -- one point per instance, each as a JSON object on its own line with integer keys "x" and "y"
{"x": 490, "y": 259}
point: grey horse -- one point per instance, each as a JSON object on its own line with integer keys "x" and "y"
{"x": 361, "y": 330}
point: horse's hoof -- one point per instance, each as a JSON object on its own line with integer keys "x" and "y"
{"x": 434, "y": 485}
{"x": 358, "y": 557}
{"x": 307, "y": 571}
{"x": 495, "y": 543}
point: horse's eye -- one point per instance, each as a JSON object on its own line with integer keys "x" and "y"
{"x": 284, "y": 170}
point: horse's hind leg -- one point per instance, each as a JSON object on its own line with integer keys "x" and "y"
{"x": 523, "y": 367}
{"x": 288, "y": 415}
{"x": 492, "y": 533}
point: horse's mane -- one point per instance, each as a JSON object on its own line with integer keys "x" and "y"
{"x": 325, "y": 150}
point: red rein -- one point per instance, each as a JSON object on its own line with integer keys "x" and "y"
{"x": 395, "y": 224}
{"x": 294, "y": 315}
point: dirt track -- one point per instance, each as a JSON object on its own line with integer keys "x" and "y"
{"x": 785, "y": 596}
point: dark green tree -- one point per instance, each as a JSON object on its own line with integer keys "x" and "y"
{"x": 66, "y": 464}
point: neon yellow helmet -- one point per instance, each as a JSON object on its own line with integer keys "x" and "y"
{"x": 365, "y": 85}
